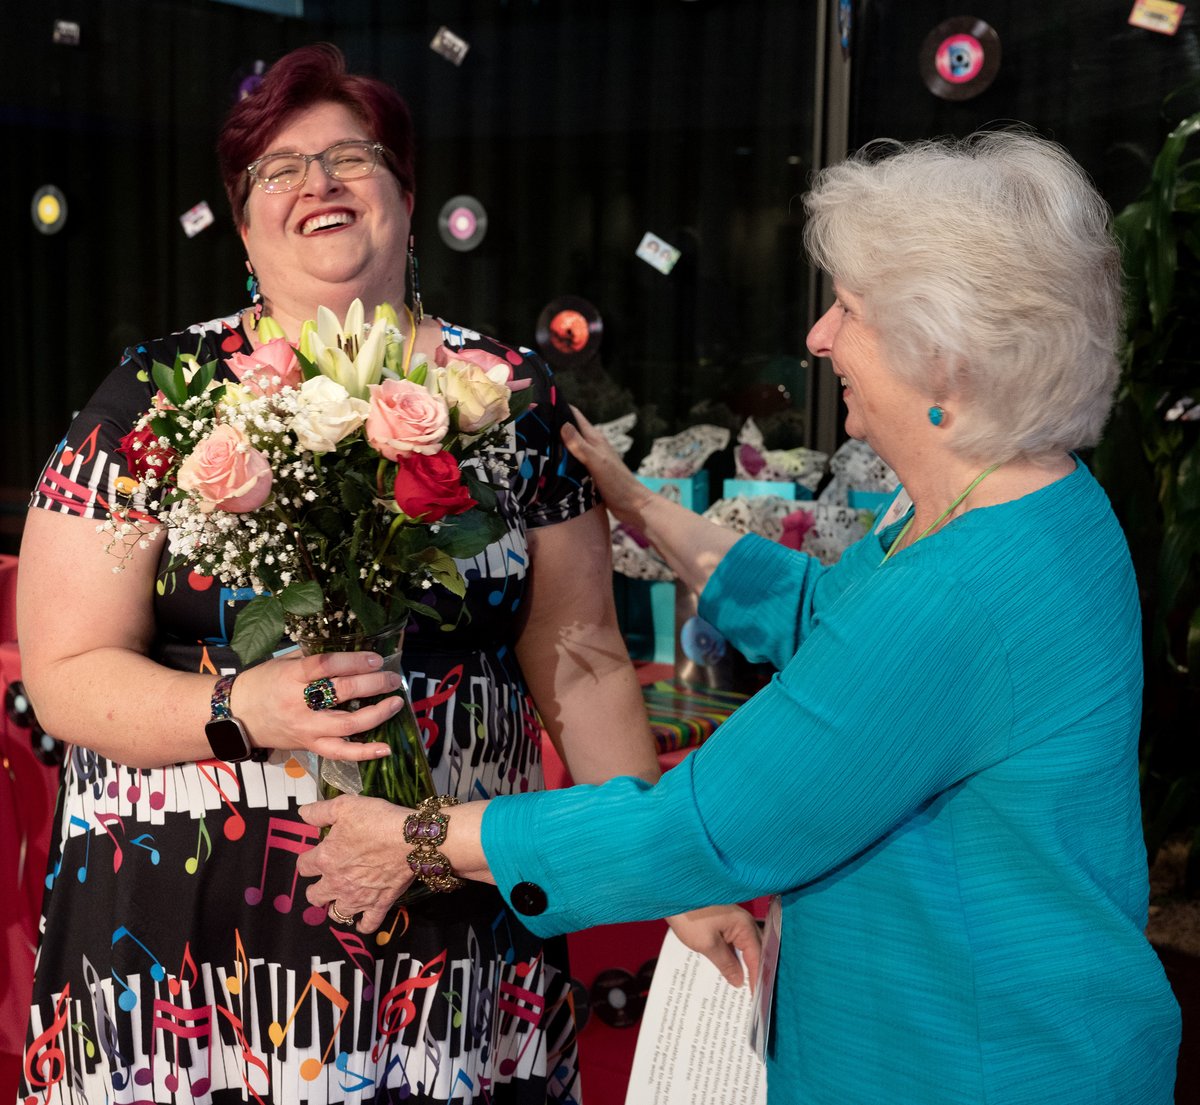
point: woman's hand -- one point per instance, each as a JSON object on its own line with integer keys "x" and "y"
{"x": 624, "y": 494}
{"x": 360, "y": 863}
{"x": 690, "y": 543}
{"x": 718, "y": 933}
{"x": 270, "y": 702}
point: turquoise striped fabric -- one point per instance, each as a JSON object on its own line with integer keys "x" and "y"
{"x": 941, "y": 781}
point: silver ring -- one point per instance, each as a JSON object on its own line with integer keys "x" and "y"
{"x": 338, "y": 916}
{"x": 320, "y": 695}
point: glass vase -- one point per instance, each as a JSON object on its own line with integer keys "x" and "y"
{"x": 403, "y": 778}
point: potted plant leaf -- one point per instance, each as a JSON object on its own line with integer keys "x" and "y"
{"x": 1149, "y": 463}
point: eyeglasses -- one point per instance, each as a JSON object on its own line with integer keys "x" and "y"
{"x": 282, "y": 172}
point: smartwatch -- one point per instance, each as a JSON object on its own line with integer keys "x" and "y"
{"x": 227, "y": 737}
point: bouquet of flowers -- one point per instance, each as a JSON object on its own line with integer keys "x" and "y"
{"x": 337, "y": 481}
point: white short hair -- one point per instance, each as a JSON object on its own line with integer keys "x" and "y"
{"x": 988, "y": 267}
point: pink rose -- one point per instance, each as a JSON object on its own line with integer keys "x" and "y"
{"x": 405, "y": 418}
{"x": 269, "y": 368}
{"x": 226, "y": 472}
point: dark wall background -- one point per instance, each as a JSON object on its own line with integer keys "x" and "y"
{"x": 579, "y": 124}
{"x": 1073, "y": 69}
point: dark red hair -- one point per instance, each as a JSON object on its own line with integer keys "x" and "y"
{"x": 302, "y": 79}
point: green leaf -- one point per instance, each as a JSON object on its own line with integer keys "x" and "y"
{"x": 1181, "y": 545}
{"x": 301, "y": 600}
{"x": 1193, "y": 648}
{"x": 1187, "y": 483}
{"x": 258, "y": 629}
{"x": 443, "y": 569}
{"x": 518, "y": 403}
{"x": 468, "y": 534}
{"x": 170, "y": 382}
{"x": 327, "y": 520}
{"x": 308, "y": 368}
{"x": 1163, "y": 821}
{"x": 1161, "y": 258}
{"x": 162, "y": 426}
{"x": 423, "y": 610}
{"x": 483, "y": 493}
{"x": 358, "y": 495}
{"x": 417, "y": 375}
{"x": 204, "y": 377}
{"x": 269, "y": 574}
{"x": 370, "y": 614}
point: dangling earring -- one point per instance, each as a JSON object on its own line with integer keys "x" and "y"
{"x": 936, "y": 415}
{"x": 256, "y": 298}
{"x": 414, "y": 284}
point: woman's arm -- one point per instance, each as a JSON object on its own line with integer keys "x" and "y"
{"x": 691, "y": 544}
{"x": 578, "y": 671}
{"x": 361, "y": 868}
{"x": 574, "y": 659}
{"x": 85, "y": 633}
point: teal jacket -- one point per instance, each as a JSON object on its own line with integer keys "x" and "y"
{"x": 941, "y": 781}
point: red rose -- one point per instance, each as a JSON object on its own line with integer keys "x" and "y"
{"x": 429, "y": 486}
{"x": 145, "y": 455}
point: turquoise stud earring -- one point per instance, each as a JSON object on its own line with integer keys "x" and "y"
{"x": 936, "y": 415}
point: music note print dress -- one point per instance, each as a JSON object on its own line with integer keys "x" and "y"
{"x": 179, "y": 960}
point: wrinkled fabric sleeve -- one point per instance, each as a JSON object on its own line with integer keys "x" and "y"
{"x": 897, "y": 694}
{"x": 80, "y": 476}
{"x": 767, "y": 622}
{"x": 565, "y": 488}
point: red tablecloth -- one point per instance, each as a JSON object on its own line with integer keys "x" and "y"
{"x": 27, "y": 793}
{"x": 676, "y": 713}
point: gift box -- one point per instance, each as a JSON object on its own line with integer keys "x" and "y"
{"x": 874, "y": 501}
{"x": 783, "y": 489}
{"x": 646, "y": 617}
{"x": 691, "y": 491}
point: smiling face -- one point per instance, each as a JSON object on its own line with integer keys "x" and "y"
{"x": 328, "y": 241}
{"x": 881, "y": 408}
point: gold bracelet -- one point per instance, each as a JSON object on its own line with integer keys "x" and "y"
{"x": 426, "y": 831}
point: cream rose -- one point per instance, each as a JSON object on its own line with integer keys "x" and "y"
{"x": 405, "y": 418}
{"x": 478, "y": 400}
{"x": 328, "y": 413}
{"x": 226, "y": 472}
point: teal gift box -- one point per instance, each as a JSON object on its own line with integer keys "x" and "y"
{"x": 874, "y": 501}
{"x": 779, "y": 488}
{"x": 693, "y": 491}
{"x": 646, "y": 615}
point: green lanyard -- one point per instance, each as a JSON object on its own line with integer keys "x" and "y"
{"x": 941, "y": 517}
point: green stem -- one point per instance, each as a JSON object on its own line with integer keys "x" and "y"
{"x": 393, "y": 528}
{"x": 281, "y": 514}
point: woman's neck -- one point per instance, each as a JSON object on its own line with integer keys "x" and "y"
{"x": 934, "y": 489}
{"x": 291, "y": 311}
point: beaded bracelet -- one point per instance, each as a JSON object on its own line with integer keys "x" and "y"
{"x": 426, "y": 830}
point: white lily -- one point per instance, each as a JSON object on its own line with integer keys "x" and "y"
{"x": 346, "y": 352}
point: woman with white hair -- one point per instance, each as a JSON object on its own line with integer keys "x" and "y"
{"x": 941, "y": 780}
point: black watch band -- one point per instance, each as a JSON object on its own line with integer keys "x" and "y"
{"x": 227, "y": 736}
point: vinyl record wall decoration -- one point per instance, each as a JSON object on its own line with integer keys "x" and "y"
{"x": 49, "y": 209}
{"x": 462, "y": 223}
{"x": 959, "y": 58}
{"x": 569, "y": 331}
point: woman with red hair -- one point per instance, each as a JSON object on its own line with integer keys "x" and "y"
{"x": 178, "y": 958}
